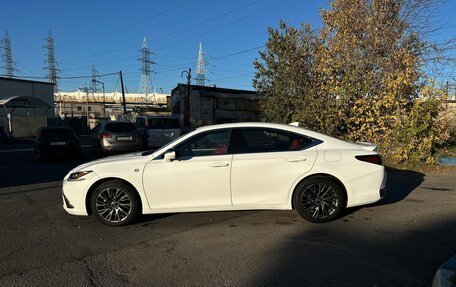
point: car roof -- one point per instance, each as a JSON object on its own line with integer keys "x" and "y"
{"x": 290, "y": 128}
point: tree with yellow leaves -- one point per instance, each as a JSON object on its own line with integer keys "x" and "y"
{"x": 360, "y": 78}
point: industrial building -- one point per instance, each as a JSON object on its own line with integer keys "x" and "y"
{"x": 203, "y": 105}
{"x": 93, "y": 106}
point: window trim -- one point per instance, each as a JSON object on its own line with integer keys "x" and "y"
{"x": 238, "y": 133}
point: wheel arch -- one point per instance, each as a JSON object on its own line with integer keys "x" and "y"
{"x": 103, "y": 180}
{"x": 332, "y": 177}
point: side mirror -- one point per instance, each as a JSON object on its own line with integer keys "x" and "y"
{"x": 169, "y": 156}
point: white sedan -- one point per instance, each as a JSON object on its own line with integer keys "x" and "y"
{"x": 240, "y": 166}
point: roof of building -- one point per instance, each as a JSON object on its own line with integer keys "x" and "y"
{"x": 214, "y": 89}
{"x": 26, "y": 81}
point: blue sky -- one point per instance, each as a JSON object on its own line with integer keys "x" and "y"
{"x": 108, "y": 34}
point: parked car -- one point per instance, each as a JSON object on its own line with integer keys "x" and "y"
{"x": 115, "y": 137}
{"x": 158, "y": 130}
{"x": 5, "y": 135}
{"x": 56, "y": 141}
{"x": 239, "y": 166}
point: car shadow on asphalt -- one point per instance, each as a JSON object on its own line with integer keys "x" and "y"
{"x": 400, "y": 183}
{"x": 148, "y": 219}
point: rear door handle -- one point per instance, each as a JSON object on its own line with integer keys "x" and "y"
{"x": 297, "y": 159}
{"x": 219, "y": 164}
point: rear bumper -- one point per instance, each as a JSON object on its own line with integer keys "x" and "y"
{"x": 367, "y": 189}
{"x": 60, "y": 150}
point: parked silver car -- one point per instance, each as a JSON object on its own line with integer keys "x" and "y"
{"x": 158, "y": 130}
{"x": 115, "y": 137}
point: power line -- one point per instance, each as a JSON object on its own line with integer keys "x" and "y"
{"x": 187, "y": 28}
{"x": 128, "y": 26}
{"x": 222, "y": 26}
{"x": 174, "y": 68}
{"x": 209, "y": 20}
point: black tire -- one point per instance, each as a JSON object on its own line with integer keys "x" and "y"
{"x": 115, "y": 203}
{"x": 319, "y": 199}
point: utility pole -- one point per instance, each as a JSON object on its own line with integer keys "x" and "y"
{"x": 94, "y": 81}
{"x": 51, "y": 66}
{"x": 86, "y": 90}
{"x": 124, "y": 104}
{"x": 145, "y": 84}
{"x": 187, "y": 98}
{"x": 8, "y": 56}
{"x": 104, "y": 96}
{"x": 201, "y": 68}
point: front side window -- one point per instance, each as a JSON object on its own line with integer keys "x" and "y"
{"x": 257, "y": 140}
{"x": 211, "y": 143}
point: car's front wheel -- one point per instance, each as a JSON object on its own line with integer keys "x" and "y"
{"x": 114, "y": 203}
{"x": 319, "y": 199}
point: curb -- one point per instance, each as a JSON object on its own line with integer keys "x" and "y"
{"x": 446, "y": 274}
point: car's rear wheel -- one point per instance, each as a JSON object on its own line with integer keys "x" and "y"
{"x": 114, "y": 203}
{"x": 319, "y": 199}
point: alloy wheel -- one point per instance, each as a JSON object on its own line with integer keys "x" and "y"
{"x": 113, "y": 204}
{"x": 319, "y": 200}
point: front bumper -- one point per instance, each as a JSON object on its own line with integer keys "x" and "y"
{"x": 74, "y": 194}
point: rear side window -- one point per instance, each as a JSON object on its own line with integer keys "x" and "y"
{"x": 162, "y": 123}
{"x": 57, "y": 133}
{"x": 120, "y": 127}
{"x": 259, "y": 140}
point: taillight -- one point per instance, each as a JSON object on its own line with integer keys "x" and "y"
{"x": 374, "y": 158}
{"x": 39, "y": 134}
{"x": 105, "y": 136}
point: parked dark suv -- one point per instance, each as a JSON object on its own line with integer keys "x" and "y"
{"x": 56, "y": 141}
{"x": 115, "y": 137}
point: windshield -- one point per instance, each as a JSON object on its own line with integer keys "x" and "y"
{"x": 57, "y": 133}
{"x": 120, "y": 127}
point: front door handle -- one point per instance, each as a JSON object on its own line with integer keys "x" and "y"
{"x": 219, "y": 164}
{"x": 297, "y": 159}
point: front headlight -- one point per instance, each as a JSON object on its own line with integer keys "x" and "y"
{"x": 79, "y": 175}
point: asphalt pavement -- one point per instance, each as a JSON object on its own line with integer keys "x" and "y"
{"x": 400, "y": 241}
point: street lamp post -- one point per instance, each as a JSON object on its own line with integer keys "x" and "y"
{"x": 104, "y": 96}
{"x": 86, "y": 90}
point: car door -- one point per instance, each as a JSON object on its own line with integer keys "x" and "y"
{"x": 267, "y": 164}
{"x": 199, "y": 177}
